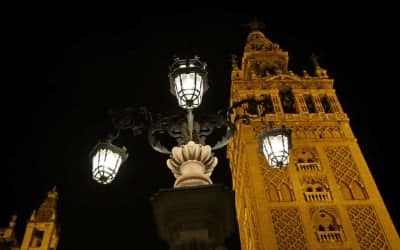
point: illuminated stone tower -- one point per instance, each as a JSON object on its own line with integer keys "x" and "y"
{"x": 41, "y": 231}
{"x": 326, "y": 198}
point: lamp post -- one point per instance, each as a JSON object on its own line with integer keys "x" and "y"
{"x": 195, "y": 212}
{"x": 188, "y": 82}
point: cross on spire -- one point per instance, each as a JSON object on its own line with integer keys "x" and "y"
{"x": 256, "y": 25}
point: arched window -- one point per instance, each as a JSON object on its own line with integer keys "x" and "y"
{"x": 252, "y": 107}
{"x": 310, "y": 104}
{"x": 287, "y": 100}
{"x": 325, "y": 104}
{"x": 326, "y": 226}
{"x": 316, "y": 191}
{"x": 266, "y": 104}
{"x": 37, "y": 237}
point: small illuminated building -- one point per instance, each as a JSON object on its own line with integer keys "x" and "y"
{"x": 41, "y": 232}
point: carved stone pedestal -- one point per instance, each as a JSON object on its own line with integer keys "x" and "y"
{"x": 198, "y": 217}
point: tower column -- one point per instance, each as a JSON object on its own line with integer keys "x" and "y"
{"x": 317, "y": 101}
{"x": 334, "y": 102}
{"x": 276, "y": 102}
{"x": 326, "y": 198}
{"x": 299, "y": 100}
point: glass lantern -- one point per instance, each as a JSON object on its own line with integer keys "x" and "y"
{"x": 188, "y": 81}
{"x": 106, "y": 161}
{"x": 275, "y": 145}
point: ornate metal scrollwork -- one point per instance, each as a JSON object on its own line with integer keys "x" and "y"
{"x": 162, "y": 127}
{"x": 175, "y": 126}
{"x": 136, "y": 119}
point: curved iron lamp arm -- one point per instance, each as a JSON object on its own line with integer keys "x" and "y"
{"x": 136, "y": 119}
{"x": 174, "y": 126}
{"x": 162, "y": 124}
{"x": 211, "y": 122}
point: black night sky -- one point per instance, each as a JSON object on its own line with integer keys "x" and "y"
{"x": 64, "y": 69}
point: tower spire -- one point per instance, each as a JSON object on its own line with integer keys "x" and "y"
{"x": 261, "y": 56}
{"x": 47, "y": 210}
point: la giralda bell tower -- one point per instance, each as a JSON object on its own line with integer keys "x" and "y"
{"x": 326, "y": 198}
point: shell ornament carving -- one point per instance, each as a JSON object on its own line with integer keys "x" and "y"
{"x": 192, "y": 164}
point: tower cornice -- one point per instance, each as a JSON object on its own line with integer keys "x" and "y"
{"x": 284, "y": 81}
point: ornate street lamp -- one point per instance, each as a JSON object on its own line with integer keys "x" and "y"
{"x": 188, "y": 81}
{"x": 275, "y": 145}
{"x": 106, "y": 160}
{"x": 194, "y": 200}
{"x": 189, "y": 160}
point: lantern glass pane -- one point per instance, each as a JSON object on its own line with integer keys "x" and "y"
{"x": 105, "y": 165}
{"x": 189, "y": 89}
{"x": 276, "y": 150}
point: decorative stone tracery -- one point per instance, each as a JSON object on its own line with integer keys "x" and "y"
{"x": 346, "y": 173}
{"x": 288, "y": 229}
{"x": 278, "y": 186}
{"x": 367, "y": 228}
{"x": 317, "y": 132}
